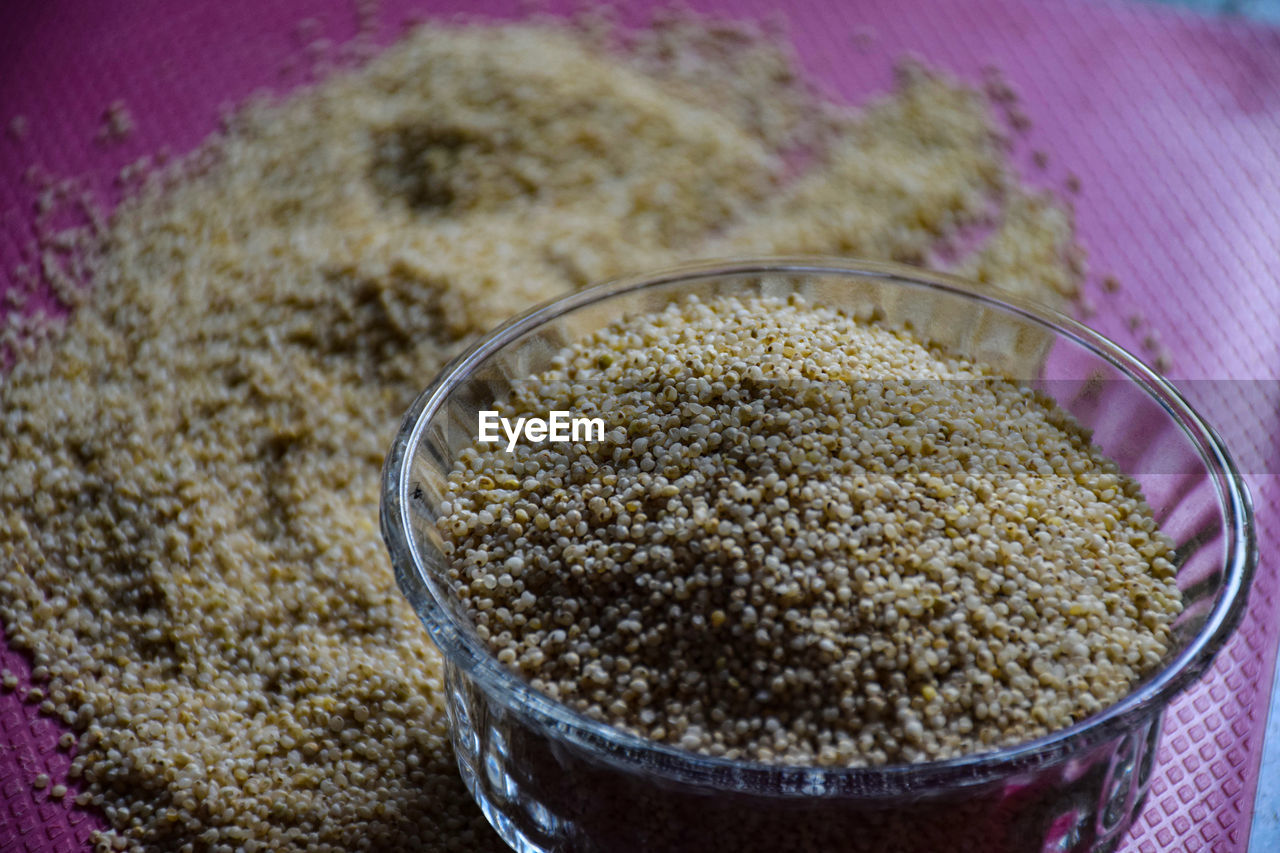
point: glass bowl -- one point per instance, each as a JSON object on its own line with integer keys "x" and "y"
{"x": 549, "y": 778}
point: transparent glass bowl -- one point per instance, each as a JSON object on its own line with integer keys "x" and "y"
{"x": 549, "y": 778}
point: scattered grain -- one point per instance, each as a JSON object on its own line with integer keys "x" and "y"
{"x": 117, "y": 123}
{"x": 188, "y": 512}
{"x": 18, "y": 127}
{"x": 1031, "y": 253}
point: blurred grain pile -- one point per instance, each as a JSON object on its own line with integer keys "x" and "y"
{"x": 188, "y": 541}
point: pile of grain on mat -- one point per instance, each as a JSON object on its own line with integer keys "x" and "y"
{"x": 807, "y": 539}
{"x": 188, "y": 544}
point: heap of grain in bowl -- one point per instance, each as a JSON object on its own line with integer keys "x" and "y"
{"x": 807, "y": 539}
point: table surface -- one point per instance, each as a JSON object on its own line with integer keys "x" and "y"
{"x": 1265, "y": 834}
{"x": 1169, "y": 118}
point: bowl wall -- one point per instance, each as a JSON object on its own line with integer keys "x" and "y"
{"x": 549, "y": 779}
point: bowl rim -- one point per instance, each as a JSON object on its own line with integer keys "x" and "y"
{"x": 615, "y": 745}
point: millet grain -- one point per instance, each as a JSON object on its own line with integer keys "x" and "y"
{"x": 805, "y": 540}
{"x": 187, "y": 517}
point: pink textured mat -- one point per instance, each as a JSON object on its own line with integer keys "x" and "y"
{"x": 1170, "y": 122}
